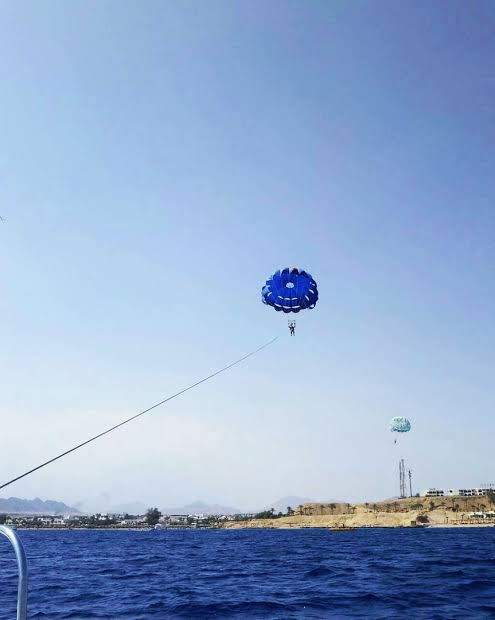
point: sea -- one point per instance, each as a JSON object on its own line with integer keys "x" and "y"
{"x": 250, "y": 574}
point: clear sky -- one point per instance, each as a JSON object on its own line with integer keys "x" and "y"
{"x": 159, "y": 160}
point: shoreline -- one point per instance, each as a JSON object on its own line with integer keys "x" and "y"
{"x": 412, "y": 512}
{"x": 254, "y": 524}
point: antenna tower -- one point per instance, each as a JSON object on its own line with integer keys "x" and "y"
{"x": 402, "y": 479}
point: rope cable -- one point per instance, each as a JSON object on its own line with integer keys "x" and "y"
{"x": 137, "y": 415}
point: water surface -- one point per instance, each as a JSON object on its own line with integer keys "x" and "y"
{"x": 250, "y": 574}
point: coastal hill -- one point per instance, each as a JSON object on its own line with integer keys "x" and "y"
{"x": 16, "y": 505}
{"x": 390, "y": 513}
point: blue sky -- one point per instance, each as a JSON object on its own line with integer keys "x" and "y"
{"x": 159, "y": 161}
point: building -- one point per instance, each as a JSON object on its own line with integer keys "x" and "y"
{"x": 490, "y": 514}
{"x": 139, "y": 522}
{"x": 175, "y": 519}
{"x": 482, "y": 491}
{"x": 433, "y": 493}
{"x": 476, "y": 492}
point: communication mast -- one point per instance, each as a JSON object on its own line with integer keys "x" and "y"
{"x": 402, "y": 479}
{"x": 409, "y": 473}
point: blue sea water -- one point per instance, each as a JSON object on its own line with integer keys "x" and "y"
{"x": 250, "y": 574}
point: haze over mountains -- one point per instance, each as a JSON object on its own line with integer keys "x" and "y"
{"x": 197, "y": 507}
{"x": 200, "y": 507}
{"x": 283, "y": 503}
{"x": 16, "y": 505}
{"x": 131, "y": 508}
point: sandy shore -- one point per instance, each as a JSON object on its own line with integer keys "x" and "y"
{"x": 452, "y": 511}
{"x": 436, "y": 518}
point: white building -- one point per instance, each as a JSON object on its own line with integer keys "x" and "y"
{"x": 490, "y": 514}
{"x": 176, "y": 519}
{"x": 474, "y": 492}
{"x": 433, "y": 493}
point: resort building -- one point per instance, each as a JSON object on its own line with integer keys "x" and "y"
{"x": 175, "y": 519}
{"x": 490, "y": 514}
{"x": 432, "y": 493}
{"x": 469, "y": 492}
{"x": 474, "y": 492}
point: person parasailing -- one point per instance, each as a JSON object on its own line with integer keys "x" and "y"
{"x": 399, "y": 424}
{"x": 290, "y": 290}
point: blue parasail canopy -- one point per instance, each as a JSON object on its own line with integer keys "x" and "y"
{"x": 400, "y": 425}
{"x": 290, "y": 290}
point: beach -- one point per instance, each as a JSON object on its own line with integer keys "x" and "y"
{"x": 406, "y": 512}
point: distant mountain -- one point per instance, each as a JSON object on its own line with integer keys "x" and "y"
{"x": 290, "y": 500}
{"x": 16, "y": 505}
{"x": 201, "y": 508}
{"x": 131, "y": 508}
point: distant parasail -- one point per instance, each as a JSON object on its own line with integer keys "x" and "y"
{"x": 400, "y": 425}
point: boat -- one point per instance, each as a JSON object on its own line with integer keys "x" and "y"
{"x": 341, "y": 528}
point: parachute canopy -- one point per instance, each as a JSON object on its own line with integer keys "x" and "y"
{"x": 290, "y": 290}
{"x": 400, "y": 425}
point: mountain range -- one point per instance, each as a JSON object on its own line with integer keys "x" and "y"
{"x": 283, "y": 503}
{"x": 16, "y": 505}
{"x": 130, "y": 508}
{"x": 200, "y": 507}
